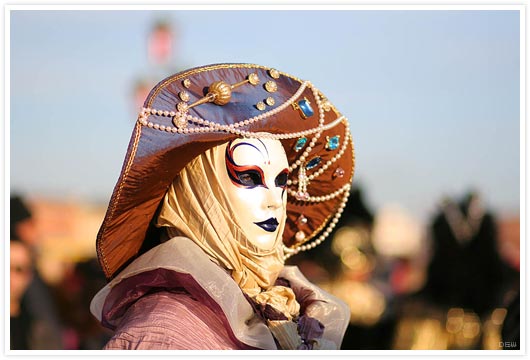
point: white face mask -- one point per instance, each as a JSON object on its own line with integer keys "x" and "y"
{"x": 255, "y": 185}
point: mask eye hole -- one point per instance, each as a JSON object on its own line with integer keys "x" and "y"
{"x": 281, "y": 179}
{"x": 249, "y": 178}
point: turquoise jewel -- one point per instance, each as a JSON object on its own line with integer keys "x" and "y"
{"x": 313, "y": 163}
{"x": 332, "y": 142}
{"x": 300, "y": 143}
{"x": 305, "y": 108}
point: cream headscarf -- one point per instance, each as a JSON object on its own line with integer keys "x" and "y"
{"x": 196, "y": 206}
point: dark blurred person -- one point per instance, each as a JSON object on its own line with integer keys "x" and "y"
{"x": 462, "y": 303}
{"x": 21, "y": 274}
{"x": 37, "y": 299}
{"x": 84, "y": 331}
{"x": 511, "y": 330}
{"x": 466, "y": 269}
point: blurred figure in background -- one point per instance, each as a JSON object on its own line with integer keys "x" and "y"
{"x": 511, "y": 329}
{"x": 79, "y": 285}
{"x": 399, "y": 241}
{"x": 21, "y": 274}
{"x": 466, "y": 269}
{"x": 461, "y": 304}
{"x": 37, "y": 300}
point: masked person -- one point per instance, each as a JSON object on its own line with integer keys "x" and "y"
{"x": 231, "y": 169}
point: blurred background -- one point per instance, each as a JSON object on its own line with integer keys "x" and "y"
{"x": 427, "y": 251}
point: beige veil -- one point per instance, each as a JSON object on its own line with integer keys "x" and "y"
{"x": 196, "y": 206}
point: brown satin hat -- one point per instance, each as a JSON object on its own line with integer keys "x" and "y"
{"x": 194, "y": 110}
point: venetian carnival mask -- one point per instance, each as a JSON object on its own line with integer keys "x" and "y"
{"x": 255, "y": 183}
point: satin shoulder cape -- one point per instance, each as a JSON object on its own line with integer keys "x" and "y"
{"x": 180, "y": 264}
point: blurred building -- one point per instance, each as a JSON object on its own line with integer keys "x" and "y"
{"x": 509, "y": 228}
{"x": 66, "y": 259}
{"x": 67, "y": 230}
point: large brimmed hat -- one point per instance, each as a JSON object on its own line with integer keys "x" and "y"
{"x": 192, "y": 111}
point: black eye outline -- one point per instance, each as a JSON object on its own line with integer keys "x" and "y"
{"x": 281, "y": 179}
{"x": 249, "y": 178}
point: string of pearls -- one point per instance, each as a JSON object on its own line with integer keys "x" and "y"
{"x": 327, "y": 197}
{"x": 230, "y": 129}
{"x": 288, "y": 252}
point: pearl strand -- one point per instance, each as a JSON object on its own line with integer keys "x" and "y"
{"x": 290, "y": 252}
{"x": 322, "y": 198}
{"x": 215, "y": 127}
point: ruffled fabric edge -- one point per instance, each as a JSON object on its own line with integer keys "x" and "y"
{"x": 181, "y": 255}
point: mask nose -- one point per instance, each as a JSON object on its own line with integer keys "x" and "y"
{"x": 274, "y": 198}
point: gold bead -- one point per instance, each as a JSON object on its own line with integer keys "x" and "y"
{"x": 253, "y": 79}
{"x": 184, "y": 96}
{"x": 187, "y": 83}
{"x": 261, "y": 106}
{"x": 222, "y": 92}
{"x": 270, "y": 101}
{"x": 180, "y": 121}
{"x": 271, "y": 86}
{"x": 275, "y": 74}
{"x": 182, "y": 107}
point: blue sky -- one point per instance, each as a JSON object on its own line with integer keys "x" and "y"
{"x": 432, "y": 96}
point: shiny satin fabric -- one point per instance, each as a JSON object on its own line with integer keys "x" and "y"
{"x": 182, "y": 256}
{"x": 172, "y": 321}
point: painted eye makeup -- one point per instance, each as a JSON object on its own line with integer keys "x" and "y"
{"x": 281, "y": 179}
{"x": 249, "y": 178}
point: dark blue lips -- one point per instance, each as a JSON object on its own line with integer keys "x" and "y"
{"x": 269, "y": 225}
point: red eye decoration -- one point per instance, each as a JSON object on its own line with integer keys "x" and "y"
{"x": 247, "y": 176}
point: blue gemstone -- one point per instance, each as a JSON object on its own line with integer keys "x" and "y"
{"x": 300, "y": 143}
{"x": 333, "y": 142}
{"x": 313, "y": 162}
{"x": 306, "y": 109}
